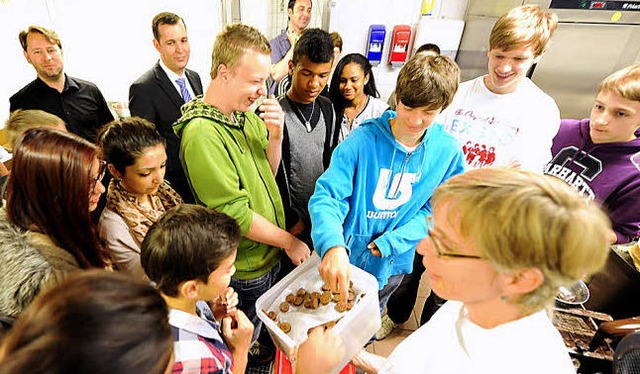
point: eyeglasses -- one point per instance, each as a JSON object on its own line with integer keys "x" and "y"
{"x": 441, "y": 254}
{"x": 102, "y": 170}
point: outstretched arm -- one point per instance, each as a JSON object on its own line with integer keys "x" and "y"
{"x": 266, "y": 232}
{"x": 328, "y": 208}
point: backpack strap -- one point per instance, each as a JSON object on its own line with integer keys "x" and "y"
{"x": 332, "y": 129}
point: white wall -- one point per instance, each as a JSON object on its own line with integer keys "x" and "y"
{"x": 106, "y": 42}
{"x": 352, "y": 18}
{"x": 110, "y": 42}
{"x": 270, "y": 17}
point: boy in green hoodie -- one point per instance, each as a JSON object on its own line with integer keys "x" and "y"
{"x": 230, "y": 155}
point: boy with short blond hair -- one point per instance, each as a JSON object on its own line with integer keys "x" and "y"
{"x": 189, "y": 253}
{"x": 599, "y": 156}
{"x": 21, "y": 120}
{"x": 230, "y": 156}
{"x": 503, "y": 119}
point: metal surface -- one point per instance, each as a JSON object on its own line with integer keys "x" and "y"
{"x": 472, "y": 54}
{"x": 587, "y": 46}
{"x": 479, "y": 20}
{"x": 577, "y": 294}
{"x": 579, "y": 57}
{"x": 491, "y": 8}
{"x": 580, "y": 14}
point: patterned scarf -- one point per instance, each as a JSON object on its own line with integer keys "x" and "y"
{"x": 137, "y": 217}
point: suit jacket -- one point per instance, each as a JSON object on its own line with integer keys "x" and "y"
{"x": 154, "y": 97}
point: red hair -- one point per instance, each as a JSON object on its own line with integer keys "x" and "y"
{"x": 48, "y": 191}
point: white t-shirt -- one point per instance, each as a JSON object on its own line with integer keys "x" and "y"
{"x": 503, "y": 130}
{"x": 374, "y": 109}
{"x": 451, "y": 343}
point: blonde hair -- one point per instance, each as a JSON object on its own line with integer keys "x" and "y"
{"x": 624, "y": 82}
{"x": 21, "y": 120}
{"x": 524, "y": 26}
{"x": 231, "y": 44}
{"x": 50, "y": 35}
{"x": 427, "y": 80}
{"x": 518, "y": 220}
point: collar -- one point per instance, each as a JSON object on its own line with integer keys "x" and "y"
{"x": 50, "y": 250}
{"x": 194, "y": 324}
{"x": 200, "y": 108}
{"x": 171, "y": 74}
{"x": 70, "y": 84}
{"x": 116, "y": 190}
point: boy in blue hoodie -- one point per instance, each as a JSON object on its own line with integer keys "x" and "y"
{"x": 370, "y": 207}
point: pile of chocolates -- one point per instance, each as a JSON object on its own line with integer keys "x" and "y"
{"x": 313, "y": 300}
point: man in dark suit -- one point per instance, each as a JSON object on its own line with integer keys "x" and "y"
{"x": 160, "y": 92}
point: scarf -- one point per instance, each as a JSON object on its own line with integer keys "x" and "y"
{"x": 140, "y": 218}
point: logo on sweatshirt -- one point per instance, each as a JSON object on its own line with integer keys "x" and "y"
{"x": 585, "y": 165}
{"x": 391, "y": 193}
{"x": 635, "y": 159}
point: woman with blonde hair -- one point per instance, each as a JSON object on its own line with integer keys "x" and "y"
{"x": 501, "y": 242}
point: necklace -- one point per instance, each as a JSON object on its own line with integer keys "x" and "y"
{"x": 307, "y": 122}
{"x": 355, "y": 110}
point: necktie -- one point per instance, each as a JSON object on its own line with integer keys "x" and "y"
{"x": 183, "y": 89}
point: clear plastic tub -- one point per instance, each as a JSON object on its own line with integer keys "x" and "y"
{"x": 355, "y": 327}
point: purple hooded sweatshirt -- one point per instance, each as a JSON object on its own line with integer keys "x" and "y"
{"x": 608, "y": 173}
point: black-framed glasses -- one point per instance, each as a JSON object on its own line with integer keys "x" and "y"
{"x": 441, "y": 254}
{"x": 102, "y": 170}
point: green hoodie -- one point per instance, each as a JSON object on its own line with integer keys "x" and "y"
{"x": 228, "y": 170}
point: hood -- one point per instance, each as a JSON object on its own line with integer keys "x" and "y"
{"x": 199, "y": 109}
{"x": 381, "y": 125}
{"x": 587, "y": 146}
{"x": 23, "y": 269}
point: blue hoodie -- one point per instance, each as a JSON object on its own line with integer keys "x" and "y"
{"x": 374, "y": 190}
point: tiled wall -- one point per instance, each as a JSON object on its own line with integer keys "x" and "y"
{"x": 352, "y": 18}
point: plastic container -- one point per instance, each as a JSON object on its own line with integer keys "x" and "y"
{"x": 355, "y": 327}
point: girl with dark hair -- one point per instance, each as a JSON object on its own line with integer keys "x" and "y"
{"x": 46, "y": 230}
{"x": 96, "y": 322}
{"x": 354, "y": 94}
{"x": 138, "y": 194}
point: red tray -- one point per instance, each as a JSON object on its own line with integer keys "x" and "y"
{"x": 283, "y": 366}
